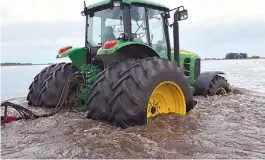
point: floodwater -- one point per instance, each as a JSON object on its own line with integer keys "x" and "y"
{"x": 229, "y": 126}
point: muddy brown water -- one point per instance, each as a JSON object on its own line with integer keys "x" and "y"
{"x": 231, "y": 126}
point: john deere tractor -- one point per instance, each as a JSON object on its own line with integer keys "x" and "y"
{"x": 127, "y": 72}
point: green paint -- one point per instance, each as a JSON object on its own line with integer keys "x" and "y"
{"x": 90, "y": 74}
{"x": 183, "y": 54}
{"x": 149, "y": 2}
{"x": 82, "y": 95}
{"x": 100, "y": 3}
{"x": 77, "y": 56}
{"x": 66, "y": 53}
{"x": 118, "y": 46}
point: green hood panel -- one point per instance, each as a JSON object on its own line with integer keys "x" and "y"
{"x": 185, "y": 55}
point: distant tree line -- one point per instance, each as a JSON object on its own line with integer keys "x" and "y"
{"x": 14, "y": 64}
{"x": 22, "y": 64}
{"x": 236, "y": 55}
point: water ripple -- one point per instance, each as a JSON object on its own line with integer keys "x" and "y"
{"x": 231, "y": 126}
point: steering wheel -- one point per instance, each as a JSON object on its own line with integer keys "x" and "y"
{"x": 138, "y": 37}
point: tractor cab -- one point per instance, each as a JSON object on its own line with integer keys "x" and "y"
{"x": 104, "y": 25}
{"x": 112, "y": 22}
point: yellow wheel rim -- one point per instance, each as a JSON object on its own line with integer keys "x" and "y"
{"x": 166, "y": 98}
{"x": 221, "y": 91}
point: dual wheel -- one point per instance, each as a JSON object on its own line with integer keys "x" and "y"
{"x": 47, "y": 87}
{"x": 135, "y": 90}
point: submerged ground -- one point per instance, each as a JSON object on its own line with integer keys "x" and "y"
{"x": 231, "y": 126}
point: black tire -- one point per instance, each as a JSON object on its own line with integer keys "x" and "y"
{"x": 53, "y": 86}
{"x": 124, "y": 97}
{"x": 218, "y": 82}
{"x": 35, "y": 86}
{"x": 102, "y": 90}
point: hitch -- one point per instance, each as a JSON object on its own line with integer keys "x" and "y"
{"x": 24, "y": 113}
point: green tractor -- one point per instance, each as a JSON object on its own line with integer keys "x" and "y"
{"x": 127, "y": 71}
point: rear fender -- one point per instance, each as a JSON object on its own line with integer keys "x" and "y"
{"x": 76, "y": 55}
{"x": 123, "y": 44}
{"x": 125, "y": 50}
{"x": 204, "y": 80}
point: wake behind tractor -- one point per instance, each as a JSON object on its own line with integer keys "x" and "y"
{"x": 128, "y": 71}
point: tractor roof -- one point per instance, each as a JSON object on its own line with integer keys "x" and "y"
{"x": 143, "y": 2}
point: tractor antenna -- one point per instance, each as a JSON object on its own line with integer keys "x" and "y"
{"x": 84, "y": 4}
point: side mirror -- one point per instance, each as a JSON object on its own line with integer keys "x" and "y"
{"x": 182, "y": 15}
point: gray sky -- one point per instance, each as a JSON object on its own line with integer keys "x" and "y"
{"x": 34, "y": 30}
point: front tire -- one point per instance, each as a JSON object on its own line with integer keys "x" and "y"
{"x": 133, "y": 93}
{"x": 218, "y": 86}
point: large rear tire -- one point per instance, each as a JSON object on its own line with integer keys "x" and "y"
{"x": 35, "y": 86}
{"x": 53, "y": 86}
{"x": 131, "y": 93}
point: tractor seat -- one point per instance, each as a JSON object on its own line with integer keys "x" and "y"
{"x": 108, "y": 34}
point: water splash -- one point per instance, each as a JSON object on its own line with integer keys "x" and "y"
{"x": 229, "y": 126}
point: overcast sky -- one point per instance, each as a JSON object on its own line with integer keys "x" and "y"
{"x": 34, "y": 30}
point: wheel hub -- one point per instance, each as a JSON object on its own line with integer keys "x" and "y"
{"x": 166, "y": 98}
{"x": 221, "y": 91}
